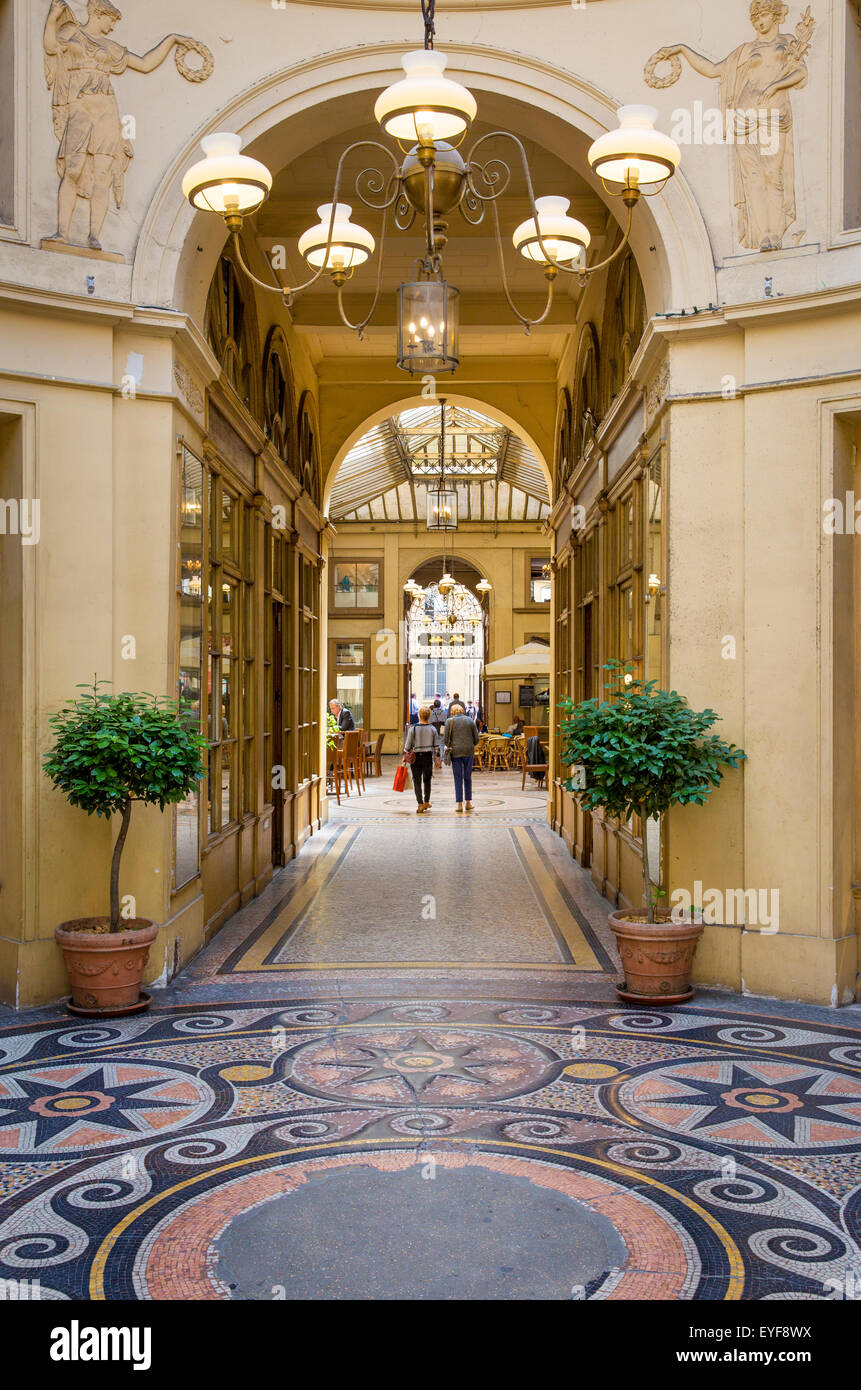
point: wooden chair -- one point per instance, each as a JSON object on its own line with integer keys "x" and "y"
{"x": 530, "y": 731}
{"x": 334, "y": 771}
{"x": 373, "y": 756}
{"x": 540, "y": 769}
{"x": 352, "y": 760}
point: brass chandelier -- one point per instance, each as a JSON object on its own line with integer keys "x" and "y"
{"x": 428, "y": 115}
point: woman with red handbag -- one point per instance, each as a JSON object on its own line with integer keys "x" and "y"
{"x": 421, "y": 751}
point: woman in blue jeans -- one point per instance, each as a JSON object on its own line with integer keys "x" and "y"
{"x": 461, "y": 736}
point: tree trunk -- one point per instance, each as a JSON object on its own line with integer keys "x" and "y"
{"x": 647, "y": 882}
{"x": 115, "y": 865}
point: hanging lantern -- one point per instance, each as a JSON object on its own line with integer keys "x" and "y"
{"x": 427, "y": 327}
{"x": 442, "y": 513}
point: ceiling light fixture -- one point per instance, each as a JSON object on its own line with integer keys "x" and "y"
{"x": 424, "y": 111}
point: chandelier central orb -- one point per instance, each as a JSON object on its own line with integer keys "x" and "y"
{"x": 428, "y": 114}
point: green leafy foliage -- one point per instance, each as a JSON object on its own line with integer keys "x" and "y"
{"x": 110, "y": 749}
{"x": 642, "y": 750}
{"x": 332, "y": 730}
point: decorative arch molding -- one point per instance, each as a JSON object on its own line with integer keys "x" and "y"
{"x": 169, "y": 272}
{"x": 308, "y": 447}
{"x": 562, "y": 436}
{"x": 625, "y": 318}
{"x": 280, "y": 419}
{"x": 586, "y": 411}
{"x": 231, "y": 330}
{"x": 413, "y": 402}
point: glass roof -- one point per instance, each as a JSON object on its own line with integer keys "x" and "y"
{"x": 382, "y": 476}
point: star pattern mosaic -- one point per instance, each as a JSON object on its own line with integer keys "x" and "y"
{"x": 723, "y": 1148}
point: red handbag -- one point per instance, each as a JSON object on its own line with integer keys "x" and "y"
{"x": 400, "y": 782}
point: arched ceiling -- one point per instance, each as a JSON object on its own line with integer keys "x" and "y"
{"x": 388, "y": 472}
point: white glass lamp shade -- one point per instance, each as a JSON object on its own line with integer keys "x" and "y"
{"x": 564, "y": 237}
{"x": 350, "y": 245}
{"x": 226, "y": 181}
{"x": 425, "y": 105}
{"x": 483, "y": 586}
{"x": 635, "y": 152}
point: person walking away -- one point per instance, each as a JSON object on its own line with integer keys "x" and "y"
{"x": 414, "y": 709}
{"x": 461, "y": 736}
{"x": 437, "y": 715}
{"x": 423, "y": 740}
{"x": 346, "y": 722}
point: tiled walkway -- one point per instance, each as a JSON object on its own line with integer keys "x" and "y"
{"x": 402, "y": 1072}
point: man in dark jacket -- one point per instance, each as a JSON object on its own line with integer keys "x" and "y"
{"x": 343, "y": 716}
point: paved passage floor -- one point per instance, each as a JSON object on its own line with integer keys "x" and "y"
{"x": 402, "y": 1072}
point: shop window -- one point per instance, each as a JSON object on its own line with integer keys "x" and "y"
{"x": 186, "y": 827}
{"x": 627, "y": 581}
{"x": 357, "y": 586}
{"x": 308, "y": 671}
{"x": 587, "y": 608}
{"x": 230, "y": 674}
{"x": 539, "y": 579}
{"x": 349, "y": 677}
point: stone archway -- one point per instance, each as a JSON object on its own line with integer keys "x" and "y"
{"x": 411, "y": 400}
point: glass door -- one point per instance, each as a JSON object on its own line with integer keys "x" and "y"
{"x": 349, "y": 677}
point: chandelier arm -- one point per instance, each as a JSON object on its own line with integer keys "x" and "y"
{"x": 358, "y": 145}
{"x": 393, "y": 183}
{"x": 523, "y": 319}
{"x": 599, "y": 265}
{"x": 286, "y": 291}
{"x": 507, "y": 135}
{"x": 362, "y": 325}
{"x": 491, "y": 172}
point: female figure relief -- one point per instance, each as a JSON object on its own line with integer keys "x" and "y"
{"x": 756, "y": 82}
{"x": 93, "y": 154}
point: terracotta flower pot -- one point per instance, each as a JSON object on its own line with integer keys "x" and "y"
{"x": 656, "y": 957}
{"x": 105, "y": 970}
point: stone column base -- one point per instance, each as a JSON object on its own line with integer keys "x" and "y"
{"x": 813, "y": 969}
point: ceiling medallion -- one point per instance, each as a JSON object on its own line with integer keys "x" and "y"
{"x": 428, "y": 115}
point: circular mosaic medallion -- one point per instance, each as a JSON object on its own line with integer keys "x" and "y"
{"x": 85, "y": 1105}
{"x": 429, "y": 1065}
{"x": 750, "y": 1104}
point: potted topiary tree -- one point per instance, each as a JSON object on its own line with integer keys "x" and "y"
{"x": 109, "y": 752}
{"x": 640, "y": 752}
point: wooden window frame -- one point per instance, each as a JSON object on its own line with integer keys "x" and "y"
{"x": 529, "y": 604}
{"x": 350, "y": 613}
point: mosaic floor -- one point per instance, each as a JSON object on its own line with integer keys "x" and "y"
{"x": 501, "y": 1129}
{"x": 676, "y": 1155}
